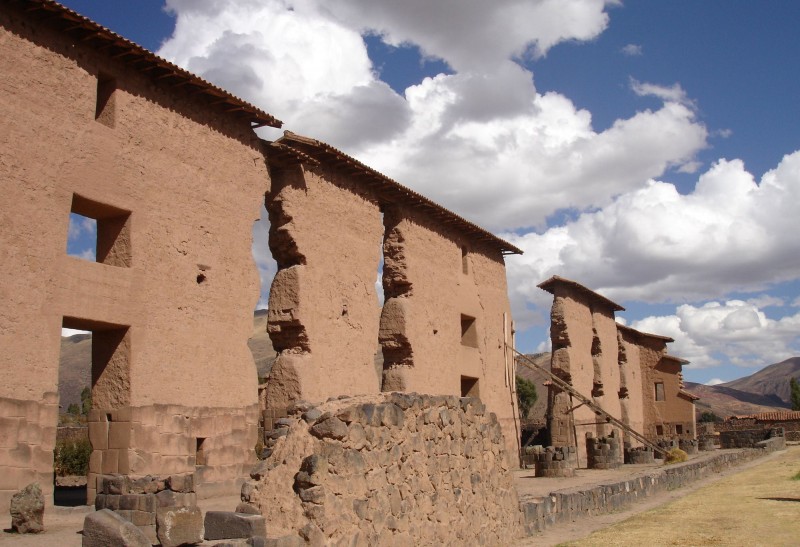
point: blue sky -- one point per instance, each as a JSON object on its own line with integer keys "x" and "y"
{"x": 645, "y": 149}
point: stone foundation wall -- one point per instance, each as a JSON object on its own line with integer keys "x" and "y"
{"x": 747, "y": 438}
{"x": 27, "y": 440}
{"x": 639, "y": 455}
{"x": 391, "y": 469}
{"x": 216, "y": 444}
{"x": 572, "y": 504}
{"x": 690, "y": 446}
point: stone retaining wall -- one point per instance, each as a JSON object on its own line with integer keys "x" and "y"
{"x": 748, "y": 438}
{"x": 389, "y": 469}
{"x": 570, "y": 504}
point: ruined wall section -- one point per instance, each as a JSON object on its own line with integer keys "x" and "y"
{"x": 650, "y": 352}
{"x": 677, "y": 410}
{"x": 607, "y": 380}
{"x": 631, "y": 386}
{"x": 393, "y": 469}
{"x": 325, "y": 234}
{"x": 571, "y": 315}
{"x": 175, "y": 185}
{"x": 441, "y": 326}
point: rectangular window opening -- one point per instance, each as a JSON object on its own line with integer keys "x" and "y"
{"x": 464, "y": 261}
{"x": 660, "y": 430}
{"x": 660, "y": 391}
{"x": 469, "y": 387}
{"x": 105, "y": 109}
{"x": 469, "y": 331}
{"x": 200, "y": 453}
{"x": 99, "y": 232}
{"x": 679, "y": 429}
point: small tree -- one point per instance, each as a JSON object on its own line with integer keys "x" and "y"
{"x": 73, "y": 410}
{"x": 86, "y": 401}
{"x": 794, "y": 387}
{"x": 526, "y": 396}
{"x": 709, "y": 416}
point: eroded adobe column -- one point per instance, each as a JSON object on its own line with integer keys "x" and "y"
{"x": 284, "y": 325}
{"x": 397, "y": 289}
{"x": 560, "y": 419}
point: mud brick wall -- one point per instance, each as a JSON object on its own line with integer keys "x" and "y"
{"x": 569, "y": 505}
{"x": 27, "y": 439}
{"x": 216, "y": 444}
{"x": 174, "y": 185}
{"x": 393, "y": 469}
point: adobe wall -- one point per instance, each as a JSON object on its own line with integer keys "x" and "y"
{"x": 585, "y": 352}
{"x": 443, "y": 317}
{"x": 631, "y": 405}
{"x": 650, "y": 352}
{"x": 179, "y": 276}
{"x": 676, "y": 412}
{"x": 326, "y": 235}
{"x": 389, "y": 469}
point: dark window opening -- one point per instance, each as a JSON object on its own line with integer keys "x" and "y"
{"x": 660, "y": 430}
{"x": 660, "y": 391}
{"x": 112, "y": 240}
{"x": 105, "y": 109}
{"x": 679, "y": 429}
{"x": 469, "y": 387}
{"x": 200, "y": 453}
{"x": 469, "y": 332}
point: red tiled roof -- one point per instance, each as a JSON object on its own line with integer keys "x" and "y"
{"x": 305, "y": 147}
{"x": 592, "y": 296}
{"x": 786, "y": 416}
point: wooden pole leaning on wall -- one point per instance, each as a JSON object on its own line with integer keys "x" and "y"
{"x": 565, "y": 386}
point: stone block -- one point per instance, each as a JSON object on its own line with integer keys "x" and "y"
{"x": 119, "y": 434}
{"x": 98, "y": 435}
{"x": 229, "y": 525}
{"x": 179, "y": 526}
{"x": 181, "y": 483}
{"x": 110, "y": 461}
{"x": 27, "y": 510}
{"x": 105, "y": 527}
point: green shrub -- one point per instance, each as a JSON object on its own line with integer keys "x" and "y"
{"x": 676, "y": 455}
{"x": 72, "y": 457}
{"x": 796, "y": 476}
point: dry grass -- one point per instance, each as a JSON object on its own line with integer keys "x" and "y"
{"x": 759, "y": 506}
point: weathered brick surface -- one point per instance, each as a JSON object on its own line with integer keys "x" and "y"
{"x": 556, "y": 461}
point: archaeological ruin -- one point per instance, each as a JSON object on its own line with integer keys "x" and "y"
{"x": 171, "y": 170}
{"x": 327, "y": 449}
{"x": 627, "y": 372}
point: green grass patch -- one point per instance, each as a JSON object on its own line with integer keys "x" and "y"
{"x": 796, "y": 476}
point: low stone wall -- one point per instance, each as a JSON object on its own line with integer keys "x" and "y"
{"x": 27, "y": 439}
{"x": 556, "y": 461}
{"x": 389, "y": 469}
{"x": 603, "y": 452}
{"x": 639, "y": 455}
{"x": 570, "y": 504}
{"x": 690, "y": 446}
{"x": 748, "y": 438}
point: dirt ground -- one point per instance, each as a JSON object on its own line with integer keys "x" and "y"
{"x": 752, "y": 505}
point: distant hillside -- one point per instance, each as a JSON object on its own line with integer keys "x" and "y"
{"x": 726, "y": 401}
{"x": 770, "y": 380}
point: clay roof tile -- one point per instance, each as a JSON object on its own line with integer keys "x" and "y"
{"x": 551, "y": 284}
